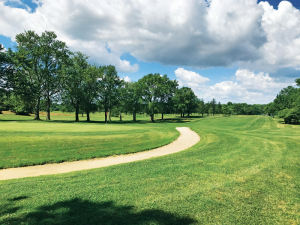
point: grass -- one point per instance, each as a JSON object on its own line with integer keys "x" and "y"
{"x": 28, "y": 142}
{"x": 245, "y": 170}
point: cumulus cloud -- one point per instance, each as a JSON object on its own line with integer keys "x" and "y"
{"x": 246, "y": 86}
{"x": 194, "y": 33}
{"x": 189, "y": 78}
{"x": 281, "y": 27}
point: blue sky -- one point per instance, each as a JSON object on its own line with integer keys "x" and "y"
{"x": 239, "y": 60}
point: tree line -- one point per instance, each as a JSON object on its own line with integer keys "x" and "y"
{"x": 41, "y": 73}
{"x": 286, "y": 104}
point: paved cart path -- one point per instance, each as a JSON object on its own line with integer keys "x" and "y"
{"x": 187, "y": 139}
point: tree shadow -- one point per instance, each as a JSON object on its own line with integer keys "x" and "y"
{"x": 195, "y": 117}
{"x": 77, "y": 211}
{"x": 10, "y": 208}
{"x": 175, "y": 119}
{"x": 294, "y": 122}
{"x": 169, "y": 120}
{"x": 18, "y": 198}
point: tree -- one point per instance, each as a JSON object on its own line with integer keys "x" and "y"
{"x": 297, "y": 82}
{"x": 213, "y": 106}
{"x": 286, "y": 98}
{"x": 14, "y": 83}
{"x": 2, "y": 82}
{"x": 225, "y": 110}
{"x": 219, "y": 108}
{"x": 109, "y": 88}
{"x": 207, "y": 107}
{"x": 132, "y": 97}
{"x": 41, "y": 59}
{"x": 93, "y": 78}
{"x": 201, "y": 107}
{"x": 185, "y": 101}
{"x": 270, "y": 109}
{"x": 167, "y": 89}
{"x": 18, "y": 105}
{"x": 150, "y": 93}
{"x": 290, "y": 114}
{"x": 74, "y": 80}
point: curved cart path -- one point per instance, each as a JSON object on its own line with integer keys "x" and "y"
{"x": 187, "y": 139}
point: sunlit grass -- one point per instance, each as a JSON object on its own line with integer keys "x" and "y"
{"x": 26, "y": 143}
{"x": 245, "y": 170}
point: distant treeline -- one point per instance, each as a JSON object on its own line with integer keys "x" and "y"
{"x": 42, "y": 74}
{"x": 286, "y": 104}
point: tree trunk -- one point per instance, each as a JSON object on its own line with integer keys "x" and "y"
{"x": 162, "y": 116}
{"x": 77, "y": 114}
{"x": 152, "y": 118}
{"x": 48, "y": 107}
{"x": 37, "y": 109}
{"x": 134, "y": 117}
{"x": 182, "y": 115}
{"x": 88, "y": 116}
{"x": 109, "y": 115}
{"x": 188, "y": 114}
{"x": 105, "y": 116}
{"x": 120, "y": 116}
{"x": 202, "y": 114}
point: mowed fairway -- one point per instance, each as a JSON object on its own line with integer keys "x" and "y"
{"x": 25, "y": 143}
{"x": 245, "y": 170}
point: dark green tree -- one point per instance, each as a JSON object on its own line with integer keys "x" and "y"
{"x": 286, "y": 98}
{"x": 41, "y": 59}
{"x": 207, "y": 108}
{"x": 151, "y": 92}
{"x": 226, "y": 110}
{"x": 213, "y": 106}
{"x": 132, "y": 98}
{"x": 167, "y": 89}
{"x": 290, "y": 115}
{"x": 110, "y": 84}
{"x": 219, "y": 108}
{"x": 185, "y": 101}
{"x": 201, "y": 107}
{"x": 74, "y": 81}
{"x": 93, "y": 79}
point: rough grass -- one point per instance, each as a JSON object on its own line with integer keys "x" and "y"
{"x": 245, "y": 170}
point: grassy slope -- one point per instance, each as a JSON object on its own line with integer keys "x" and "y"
{"x": 245, "y": 170}
{"x": 26, "y": 142}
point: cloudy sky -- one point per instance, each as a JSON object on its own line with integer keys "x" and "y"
{"x": 231, "y": 50}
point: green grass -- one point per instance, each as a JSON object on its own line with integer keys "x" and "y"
{"x": 25, "y": 143}
{"x": 245, "y": 170}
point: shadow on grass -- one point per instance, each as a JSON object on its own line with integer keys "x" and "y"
{"x": 18, "y": 198}
{"x": 79, "y": 211}
{"x": 9, "y": 208}
{"x": 292, "y": 123}
{"x": 169, "y": 120}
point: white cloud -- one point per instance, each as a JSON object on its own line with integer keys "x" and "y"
{"x": 189, "y": 78}
{"x": 173, "y": 32}
{"x": 283, "y": 34}
{"x": 246, "y": 87}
